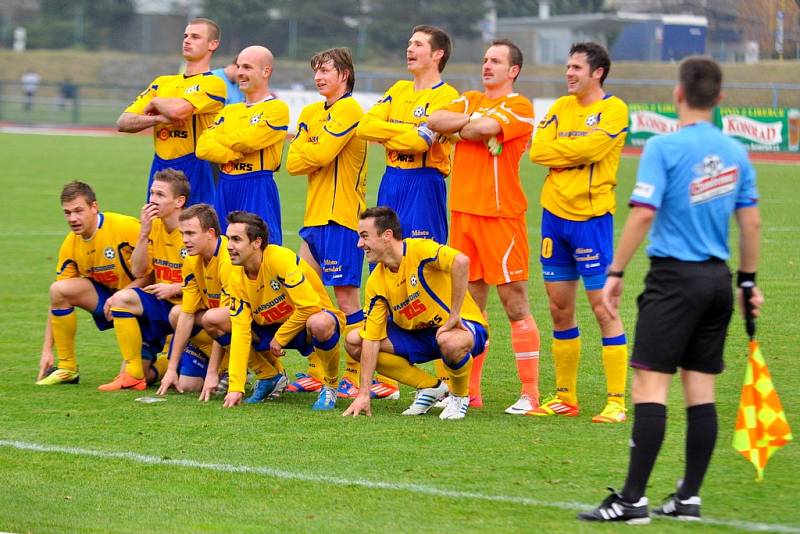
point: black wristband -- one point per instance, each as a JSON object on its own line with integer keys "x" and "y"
{"x": 615, "y": 274}
{"x": 745, "y": 279}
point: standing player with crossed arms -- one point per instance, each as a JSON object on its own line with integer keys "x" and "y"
{"x": 580, "y": 140}
{"x": 488, "y": 205}
{"x": 179, "y": 107}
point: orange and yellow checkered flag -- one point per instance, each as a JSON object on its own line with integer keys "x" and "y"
{"x": 761, "y": 426}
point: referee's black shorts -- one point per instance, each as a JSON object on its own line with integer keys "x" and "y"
{"x": 684, "y": 313}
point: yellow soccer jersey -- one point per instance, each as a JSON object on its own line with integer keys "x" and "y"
{"x": 167, "y": 254}
{"x": 247, "y": 138}
{"x": 418, "y": 294}
{"x": 582, "y": 146}
{"x": 327, "y": 149}
{"x": 205, "y": 92}
{"x": 287, "y": 291}
{"x": 205, "y": 285}
{"x": 105, "y": 257}
{"x": 393, "y": 122}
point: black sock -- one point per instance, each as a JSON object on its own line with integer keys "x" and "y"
{"x": 649, "y": 425}
{"x": 701, "y": 436}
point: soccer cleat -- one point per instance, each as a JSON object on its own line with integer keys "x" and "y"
{"x": 425, "y": 398}
{"x": 456, "y": 408}
{"x": 268, "y": 389}
{"x": 59, "y": 376}
{"x": 326, "y": 400}
{"x": 554, "y": 406}
{"x": 521, "y": 407}
{"x": 346, "y": 389}
{"x": 614, "y": 412}
{"x": 124, "y": 381}
{"x": 304, "y": 384}
{"x": 222, "y": 385}
{"x": 683, "y": 509}
{"x": 441, "y": 404}
{"x": 615, "y": 508}
{"x": 382, "y": 390}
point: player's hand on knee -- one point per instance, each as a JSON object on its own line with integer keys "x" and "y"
{"x": 232, "y": 399}
{"x": 452, "y": 323}
{"x": 170, "y": 379}
{"x": 360, "y": 404}
{"x": 276, "y": 348}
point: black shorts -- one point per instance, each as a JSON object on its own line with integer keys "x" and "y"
{"x": 684, "y": 313}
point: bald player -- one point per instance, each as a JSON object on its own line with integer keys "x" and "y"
{"x": 247, "y": 139}
{"x": 179, "y": 107}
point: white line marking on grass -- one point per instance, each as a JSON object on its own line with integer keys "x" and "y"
{"x": 363, "y": 483}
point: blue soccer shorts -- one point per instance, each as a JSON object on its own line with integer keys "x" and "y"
{"x": 197, "y": 171}
{"x": 254, "y": 192}
{"x": 420, "y": 346}
{"x": 335, "y": 249}
{"x": 573, "y": 249}
{"x": 419, "y": 197}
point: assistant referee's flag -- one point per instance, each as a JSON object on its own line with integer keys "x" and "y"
{"x": 761, "y": 425}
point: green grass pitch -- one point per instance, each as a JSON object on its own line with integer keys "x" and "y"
{"x": 278, "y": 466}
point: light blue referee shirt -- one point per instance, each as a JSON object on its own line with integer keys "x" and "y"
{"x": 695, "y": 179}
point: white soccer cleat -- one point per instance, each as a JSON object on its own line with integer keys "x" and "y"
{"x": 521, "y": 407}
{"x": 425, "y": 398}
{"x": 456, "y": 408}
{"x": 442, "y": 404}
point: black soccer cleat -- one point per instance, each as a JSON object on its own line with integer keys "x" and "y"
{"x": 615, "y": 508}
{"x": 684, "y": 509}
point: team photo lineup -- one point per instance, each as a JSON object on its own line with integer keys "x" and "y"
{"x": 204, "y": 298}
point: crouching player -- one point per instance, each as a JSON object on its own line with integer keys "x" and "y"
{"x": 93, "y": 263}
{"x": 141, "y": 316}
{"x": 279, "y": 299}
{"x": 417, "y": 310}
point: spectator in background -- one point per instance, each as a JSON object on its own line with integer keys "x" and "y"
{"x": 68, "y": 91}
{"x": 229, "y": 76}
{"x": 30, "y": 81}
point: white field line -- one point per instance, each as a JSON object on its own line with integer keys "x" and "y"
{"x": 363, "y": 483}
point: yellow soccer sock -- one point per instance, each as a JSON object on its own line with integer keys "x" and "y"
{"x": 329, "y": 362}
{"x": 262, "y": 364}
{"x": 442, "y": 373}
{"x": 459, "y": 376}
{"x": 352, "y": 368}
{"x": 315, "y": 367}
{"x": 615, "y": 363}
{"x": 64, "y": 324}
{"x": 400, "y": 369}
{"x": 129, "y": 338}
{"x": 566, "y": 356}
{"x": 160, "y": 366}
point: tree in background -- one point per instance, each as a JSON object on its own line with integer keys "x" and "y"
{"x": 89, "y": 24}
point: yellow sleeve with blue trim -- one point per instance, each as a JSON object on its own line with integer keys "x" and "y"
{"x": 593, "y": 144}
{"x": 144, "y": 98}
{"x": 211, "y": 145}
{"x": 375, "y": 125}
{"x": 207, "y": 95}
{"x": 192, "y": 299}
{"x": 241, "y": 331}
{"x": 411, "y": 141}
{"x": 289, "y": 271}
{"x": 376, "y": 311}
{"x": 296, "y": 163}
{"x": 269, "y": 129}
{"x": 338, "y": 130}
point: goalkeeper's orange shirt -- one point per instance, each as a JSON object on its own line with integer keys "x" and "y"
{"x": 488, "y": 185}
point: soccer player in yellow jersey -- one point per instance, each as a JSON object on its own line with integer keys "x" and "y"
{"x": 247, "y": 140}
{"x": 279, "y": 300}
{"x": 416, "y": 162}
{"x": 94, "y": 261}
{"x": 580, "y": 140}
{"x": 488, "y": 205}
{"x": 417, "y": 310}
{"x": 179, "y": 108}
{"x": 327, "y": 150}
{"x": 141, "y": 315}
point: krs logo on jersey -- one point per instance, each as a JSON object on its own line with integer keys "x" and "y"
{"x": 109, "y": 253}
{"x": 593, "y": 120}
{"x": 255, "y": 119}
{"x": 193, "y": 89}
{"x": 715, "y": 180}
{"x": 166, "y": 133}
